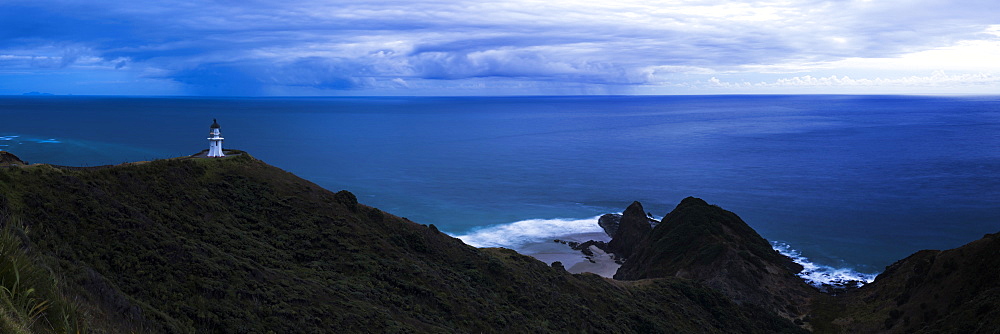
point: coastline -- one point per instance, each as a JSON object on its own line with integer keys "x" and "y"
{"x": 574, "y": 261}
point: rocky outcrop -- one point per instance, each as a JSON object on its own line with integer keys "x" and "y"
{"x": 609, "y": 222}
{"x": 584, "y": 247}
{"x": 8, "y": 159}
{"x": 633, "y": 228}
{"x": 713, "y": 246}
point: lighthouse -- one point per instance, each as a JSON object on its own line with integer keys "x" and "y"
{"x": 215, "y": 141}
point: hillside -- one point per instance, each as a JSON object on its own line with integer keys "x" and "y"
{"x": 234, "y": 245}
{"x": 713, "y": 246}
{"x": 9, "y": 159}
{"x": 931, "y": 291}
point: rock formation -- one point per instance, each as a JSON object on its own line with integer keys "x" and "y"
{"x": 609, "y": 222}
{"x": 632, "y": 229}
{"x": 713, "y": 246}
{"x": 7, "y": 159}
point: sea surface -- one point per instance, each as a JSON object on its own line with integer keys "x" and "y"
{"x": 848, "y": 182}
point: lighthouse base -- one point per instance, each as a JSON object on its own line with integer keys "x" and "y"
{"x": 215, "y": 150}
{"x": 226, "y": 154}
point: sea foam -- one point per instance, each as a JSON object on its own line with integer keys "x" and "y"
{"x": 822, "y": 276}
{"x": 517, "y": 234}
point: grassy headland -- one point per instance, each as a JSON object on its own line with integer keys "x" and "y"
{"x": 235, "y": 245}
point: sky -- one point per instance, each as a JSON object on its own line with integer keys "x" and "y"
{"x": 516, "y": 47}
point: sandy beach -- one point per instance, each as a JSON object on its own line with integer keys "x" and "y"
{"x": 574, "y": 261}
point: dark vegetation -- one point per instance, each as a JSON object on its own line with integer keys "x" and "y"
{"x": 952, "y": 291}
{"x": 30, "y": 301}
{"x": 233, "y": 245}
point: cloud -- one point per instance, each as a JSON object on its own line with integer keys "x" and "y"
{"x": 257, "y": 47}
{"x": 936, "y": 79}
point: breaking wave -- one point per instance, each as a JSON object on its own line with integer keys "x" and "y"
{"x": 517, "y": 234}
{"x": 823, "y": 276}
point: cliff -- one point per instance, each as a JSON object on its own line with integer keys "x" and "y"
{"x": 233, "y": 245}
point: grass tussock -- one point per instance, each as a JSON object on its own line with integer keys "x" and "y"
{"x": 29, "y": 298}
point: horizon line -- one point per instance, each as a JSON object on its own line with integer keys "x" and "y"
{"x": 44, "y": 95}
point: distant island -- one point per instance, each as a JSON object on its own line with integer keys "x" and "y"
{"x": 234, "y": 245}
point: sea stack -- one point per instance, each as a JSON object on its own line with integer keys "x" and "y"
{"x": 215, "y": 141}
{"x": 632, "y": 229}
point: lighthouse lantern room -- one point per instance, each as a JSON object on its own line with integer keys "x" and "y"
{"x": 215, "y": 141}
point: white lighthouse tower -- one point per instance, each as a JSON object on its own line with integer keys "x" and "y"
{"x": 215, "y": 141}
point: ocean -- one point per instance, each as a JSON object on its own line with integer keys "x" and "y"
{"x": 848, "y": 182}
